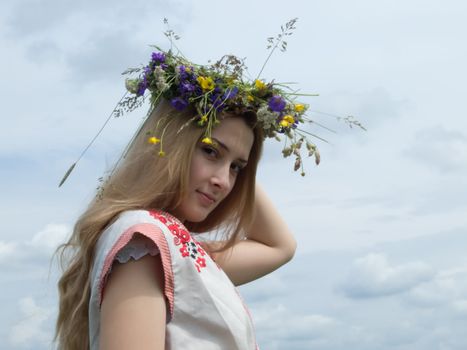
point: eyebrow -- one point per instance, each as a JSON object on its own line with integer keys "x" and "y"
{"x": 228, "y": 150}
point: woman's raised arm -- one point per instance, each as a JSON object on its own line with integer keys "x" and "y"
{"x": 268, "y": 245}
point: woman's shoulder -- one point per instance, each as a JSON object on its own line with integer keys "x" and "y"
{"x": 139, "y": 220}
{"x": 142, "y": 216}
{"x": 132, "y": 234}
{"x": 125, "y": 228}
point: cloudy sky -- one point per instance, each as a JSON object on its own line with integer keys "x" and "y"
{"x": 381, "y": 223}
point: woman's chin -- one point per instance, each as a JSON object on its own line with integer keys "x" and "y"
{"x": 194, "y": 216}
{"x": 197, "y": 217}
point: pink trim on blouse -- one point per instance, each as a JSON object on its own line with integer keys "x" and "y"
{"x": 157, "y": 236}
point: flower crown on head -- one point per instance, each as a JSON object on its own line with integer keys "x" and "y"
{"x": 211, "y": 90}
{"x": 221, "y": 87}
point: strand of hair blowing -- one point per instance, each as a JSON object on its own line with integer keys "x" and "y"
{"x": 144, "y": 180}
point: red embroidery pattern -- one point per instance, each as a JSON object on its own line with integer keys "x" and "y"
{"x": 189, "y": 247}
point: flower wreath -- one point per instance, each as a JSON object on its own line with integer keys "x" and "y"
{"x": 222, "y": 86}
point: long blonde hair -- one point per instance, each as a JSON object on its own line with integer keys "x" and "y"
{"x": 144, "y": 180}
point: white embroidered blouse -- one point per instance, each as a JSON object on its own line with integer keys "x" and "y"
{"x": 205, "y": 310}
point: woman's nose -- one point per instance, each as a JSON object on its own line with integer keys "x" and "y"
{"x": 221, "y": 177}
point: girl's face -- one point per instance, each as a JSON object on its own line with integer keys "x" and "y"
{"x": 214, "y": 169}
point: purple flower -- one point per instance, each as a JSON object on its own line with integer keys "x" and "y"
{"x": 230, "y": 93}
{"x": 295, "y": 123}
{"x": 186, "y": 88}
{"x": 158, "y": 57}
{"x": 142, "y": 86}
{"x": 217, "y": 102}
{"x": 182, "y": 70}
{"x": 276, "y": 103}
{"x": 179, "y": 103}
{"x": 147, "y": 71}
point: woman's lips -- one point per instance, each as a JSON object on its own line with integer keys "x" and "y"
{"x": 205, "y": 198}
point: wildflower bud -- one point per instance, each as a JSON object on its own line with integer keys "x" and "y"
{"x": 317, "y": 157}
{"x": 297, "y": 164}
{"x": 287, "y": 152}
{"x": 132, "y": 85}
{"x": 310, "y": 153}
{"x": 154, "y": 140}
{"x": 302, "y": 173}
{"x": 310, "y": 146}
{"x": 296, "y": 151}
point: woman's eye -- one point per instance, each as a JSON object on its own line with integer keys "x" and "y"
{"x": 210, "y": 151}
{"x": 236, "y": 168}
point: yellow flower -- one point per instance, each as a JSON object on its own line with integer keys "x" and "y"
{"x": 161, "y": 153}
{"x": 154, "y": 140}
{"x": 286, "y": 121}
{"x": 283, "y": 123}
{"x": 203, "y": 120}
{"x": 206, "y": 83}
{"x": 289, "y": 119}
{"x": 250, "y": 98}
{"x": 299, "y": 107}
{"x": 207, "y": 140}
{"x": 259, "y": 84}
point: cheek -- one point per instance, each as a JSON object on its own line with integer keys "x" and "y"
{"x": 198, "y": 168}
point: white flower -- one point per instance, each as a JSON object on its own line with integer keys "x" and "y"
{"x": 267, "y": 117}
{"x": 162, "y": 85}
{"x": 158, "y": 72}
{"x": 132, "y": 85}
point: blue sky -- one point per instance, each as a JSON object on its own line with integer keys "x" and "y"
{"x": 381, "y": 223}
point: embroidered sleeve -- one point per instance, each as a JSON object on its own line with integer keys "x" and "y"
{"x": 138, "y": 247}
{"x": 188, "y": 247}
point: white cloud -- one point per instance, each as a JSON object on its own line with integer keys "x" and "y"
{"x": 32, "y": 17}
{"x": 7, "y": 251}
{"x": 373, "y": 276}
{"x": 50, "y": 237}
{"x": 460, "y": 306}
{"x": 446, "y": 290}
{"x": 41, "y": 246}
{"x": 277, "y": 326}
{"x": 440, "y": 148}
{"x": 30, "y": 330}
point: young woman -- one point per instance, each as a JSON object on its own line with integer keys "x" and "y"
{"x": 139, "y": 279}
